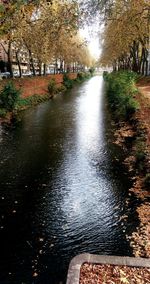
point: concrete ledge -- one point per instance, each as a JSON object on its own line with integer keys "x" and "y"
{"x": 76, "y": 262}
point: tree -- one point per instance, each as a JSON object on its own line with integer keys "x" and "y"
{"x": 95, "y": 9}
{"x": 12, "y": 14}
{"x": 126, "y": 36}
{"x": 48, "y": 30}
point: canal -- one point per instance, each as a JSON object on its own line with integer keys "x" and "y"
{"x": 62, "y": 191}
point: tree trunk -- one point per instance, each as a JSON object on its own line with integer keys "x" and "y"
{"x": 135, "y": 60}
{"x": 31, "y": 62}
{"x": 115, "y": 66}
{"x": 61, "y": 66}
{"x": 18, "y": 62}
{"x": 9, "y": 60}
{"x": 73, "y": 69}
{"x": 143, "y": 66}
{"x": 64, "y": 67}
{"x": 44, "y": 71}
{"x": 56, "y": 67}
{"x": 146, "y": 71}
{"x": 40, "y": 68}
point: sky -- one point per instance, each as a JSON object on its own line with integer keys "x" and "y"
{"x": 93, "y": 40}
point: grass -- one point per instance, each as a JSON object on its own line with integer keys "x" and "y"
{"x": 31, "y": 101}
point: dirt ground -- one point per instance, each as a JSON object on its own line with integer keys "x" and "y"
{"x": 144, "y": 100}
{"x": 140, "y": 240}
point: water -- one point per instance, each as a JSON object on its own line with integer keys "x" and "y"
{"x": 61, "y": 190}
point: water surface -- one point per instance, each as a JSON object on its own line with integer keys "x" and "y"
{"x": 61, "y": 191}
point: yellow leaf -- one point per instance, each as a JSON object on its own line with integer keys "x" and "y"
{"x": 124, "y": 280}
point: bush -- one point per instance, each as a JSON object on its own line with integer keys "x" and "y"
{"x": 140, "y": 153}
{"x": 68, "y": 83}
{"x": 140, "y": 161}
{"x": 31, "y": 101}
{"x": 80, "y": 75}
{"x": 61, "y": 89}
{"x": 87, "y": 75}
{"x": 3, "y": 112}
{"x": 92, "y": 70}
{"x": 147, "y": 181}
{"x": 9, "y": 96}
{"x": 121, "y": 91}
{"x": 105, "y": 74}
{"x": 52, "y": 87}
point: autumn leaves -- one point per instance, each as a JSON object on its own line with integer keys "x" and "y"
{"x": 126, "y": 36}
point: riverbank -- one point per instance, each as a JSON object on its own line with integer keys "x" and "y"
{"x": 35, "y": 90}
{"x": 133, "y": 136}
{"x": 140, "y": 240}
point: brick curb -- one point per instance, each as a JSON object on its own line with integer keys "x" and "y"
{"x": 76, "y": 262}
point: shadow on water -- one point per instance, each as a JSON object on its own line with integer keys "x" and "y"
{"x": 62, "y": 188}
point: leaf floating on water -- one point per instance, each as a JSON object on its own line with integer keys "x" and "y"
{"x": 35, "y": 274}
{"x": 116, "y": 207}
{"x": 41, "y": 239}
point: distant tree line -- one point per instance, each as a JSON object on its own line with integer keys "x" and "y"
{"x": 126, "y": 36}
{"x": 47, "y": 30}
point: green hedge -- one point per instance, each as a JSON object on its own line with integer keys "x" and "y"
{"x": 121, "y": 93}
{"x": 9, "y": 97}
{"x": 31, "y": 101}
{"x": 82, "y": 76}
{"x": 67, "y": 82}
{"x": 52, "y": 87}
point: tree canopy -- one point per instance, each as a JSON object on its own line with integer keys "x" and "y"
{"x": 47, "y": 29}
{"x": 126, "y": 36}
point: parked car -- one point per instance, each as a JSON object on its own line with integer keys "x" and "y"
{"x": 5, "y": 75}
{"x": 16, "y": 74}
{"x": 50, "y": 71}
{"x": 27, "y": 74}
